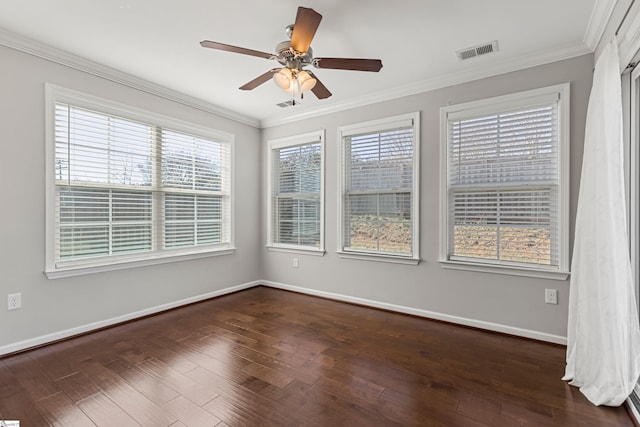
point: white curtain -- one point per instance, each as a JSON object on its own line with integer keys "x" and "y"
{"x": 603, "y": 347}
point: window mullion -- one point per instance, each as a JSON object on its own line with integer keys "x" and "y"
{"x": 378, "y": 220}
{"x": 195, "y": 218}
{"x": 158, "y": 194}
{"x": 498, "y": 224}
{"x": 298, "y": 172}
{"x": 110, "y": 226}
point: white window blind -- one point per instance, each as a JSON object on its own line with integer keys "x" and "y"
{"x": 296, "y": 201}
{"x": 195, "y": 182}
{"x": 296, "y": 193}
{"x": 125, "y": 187}
{"x": 504, "y": 184}
{"x": 379, "y": 181}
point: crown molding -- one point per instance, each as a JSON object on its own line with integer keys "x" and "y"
{"x": 598, "y": 21}
{"x": 485, "y": 70}
{"x": 49, "y": 53}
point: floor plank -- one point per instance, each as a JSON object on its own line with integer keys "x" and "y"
{"x": 104, "y": 412}
{"x": 191, "y": 414}
{"x": 61, "y": 411}
{"x": 133, "y": 402}
{"x": 274, "y": 358}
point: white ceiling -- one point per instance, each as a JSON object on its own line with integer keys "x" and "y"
{"x": 158, "y": 41}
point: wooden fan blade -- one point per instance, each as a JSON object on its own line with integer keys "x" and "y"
{"x": 307, "y": 21}
{"x": 319, "y": 90}
{"x": 235, "y": 49}
{"x": 348, "y": 64}
{"x": 259, "y": 80}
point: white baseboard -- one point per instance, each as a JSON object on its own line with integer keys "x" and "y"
{"x": 495, "y": 327}
{"x": 44, "y": 339}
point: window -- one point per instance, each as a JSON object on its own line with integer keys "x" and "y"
{"x": 127, "y": 186}
{"x": 296, "y": 197}
{"x": 379, "y": 189}
{"x": 504, "y": 200}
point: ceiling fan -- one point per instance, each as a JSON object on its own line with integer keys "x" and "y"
{"x": 296, "y": 54}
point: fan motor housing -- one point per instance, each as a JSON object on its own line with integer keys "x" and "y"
{"x": 292, "y": 59}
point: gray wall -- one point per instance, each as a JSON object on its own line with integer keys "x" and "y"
{"x": 51, "y": 306}
{"x": 55, "y": 306}
{"x": 514, "y": 302}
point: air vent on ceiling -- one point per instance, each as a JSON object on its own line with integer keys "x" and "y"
{"x": 289, "y": 103}
{"x": 474, "y": 51}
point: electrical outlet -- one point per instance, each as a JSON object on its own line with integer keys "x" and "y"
{"x": 551, "y": 296}
{"x": 14, "y": 301}
{"x": 295, "y": 263}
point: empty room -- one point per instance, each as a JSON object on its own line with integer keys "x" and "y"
{"x": 420, "y": 213}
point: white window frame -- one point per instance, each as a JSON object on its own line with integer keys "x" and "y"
{"x": 496, "y": 105}
{"x": 631, "y": 117}
{"x": 632, "y": 172}
{"x": 292, "y": 141}
{"x": 56, "y": 269}
{"x": 374, "y": 126}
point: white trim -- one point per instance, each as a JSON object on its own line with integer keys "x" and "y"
{"x": 291, "y": 141}
{"x": 363, "y": 256}
{"x": 499, "y": 104}
{"x": 564, "y": 193}
{"x": 415, "y": 199}
{"x": 296, "y": 250}
{"x": 600, "y": 16}
{"x": 631, "y": 106}
{"x": 232, "y": 191}
{"x": 629, "y": 37}
{"x": 496, "y": 104}
{"x": 112, "y": 265}
{"x": 495, "y": 327}
{"x": 634, "y": 181}
{"x": 504, "y": 269}
{"x": 299, "y": 139}
{"x": 378, "y": 125}
{"x": 55, "y": 93}
{"x": 45, "y": 339}
{"x": 410, "y": 119}
{"x": 488, "y": 69}
{"x": 49, "y": 53}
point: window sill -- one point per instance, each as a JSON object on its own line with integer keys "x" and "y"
{"x": 297, "y": 250}
{"x": 505, "y": 269}
{"x": 363, "y": 256}
{"x": 104, "y": 266}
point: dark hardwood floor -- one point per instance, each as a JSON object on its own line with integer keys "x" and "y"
{"x": 268, "y": 357}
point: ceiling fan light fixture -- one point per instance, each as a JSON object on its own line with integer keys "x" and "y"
{"x": 294, "y": 55}
{"x": 293, "y": 81}
{"x": 283, "y": 79}
{"x": 305, "y": 81}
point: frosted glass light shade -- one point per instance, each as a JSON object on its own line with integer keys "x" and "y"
{"x": 306, "y": 81}
{"x": 294, "y": 81}
{"x": 283, "y": 79}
